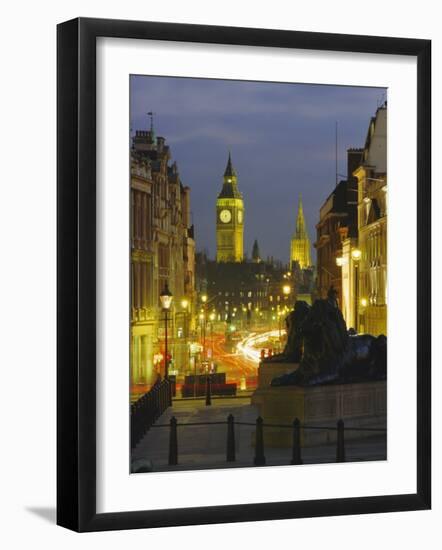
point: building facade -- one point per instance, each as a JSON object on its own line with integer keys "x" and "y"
{"x": 337, "y": 222}
{"x": 229, "y": 219}
{"x": 162, "y": 252}
{"x": 247, "y": 295}
{"x": 372, "y": 227}
{"x": 364, "y": 256}
{"x": 300, "y": 246}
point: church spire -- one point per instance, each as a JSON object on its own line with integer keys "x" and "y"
{"x": 300, "y": 244}
{"x": 256, "y": 256}
{"x": 301, "y": 231}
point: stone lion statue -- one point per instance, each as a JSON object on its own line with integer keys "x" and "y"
{"x": 317, "y": 339}
{"x": 292, "y": 352}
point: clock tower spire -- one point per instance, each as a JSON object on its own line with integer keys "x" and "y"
{"x": 229, "y": 218}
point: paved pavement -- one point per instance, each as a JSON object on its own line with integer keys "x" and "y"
{"x": 204, "y": 447}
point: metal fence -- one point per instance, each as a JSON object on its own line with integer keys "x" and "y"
{"x": 148, "y": 408}
{"x": 259, "y": 458}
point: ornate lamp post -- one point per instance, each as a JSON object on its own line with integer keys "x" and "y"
{"x": 204, "y": 301}
{"x": 356, "y": 256}
{"x": 166, "y": 301}
{"x": 185, "y": 306}
{"x": 212, "y": 317}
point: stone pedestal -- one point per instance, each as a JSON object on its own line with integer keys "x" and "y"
{"x": 266, "y": 373}
{"x": 359, "y": 405}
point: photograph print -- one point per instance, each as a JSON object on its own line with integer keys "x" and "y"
{"x": 258, "y": 274}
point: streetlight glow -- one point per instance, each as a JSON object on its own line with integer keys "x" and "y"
{"x": 286, "y": 289}
{"x": 166, "y": 301}
{"x": 356, "y": 254}
{"x": 166, "y": 297}
{"x": 184, "y": 303}
{"x": 204, "y": 298}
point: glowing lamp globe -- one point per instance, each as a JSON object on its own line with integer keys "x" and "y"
{"x": 166, "y": 298}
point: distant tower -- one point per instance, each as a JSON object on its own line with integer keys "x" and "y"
{"x": 256, "y": 256}
{"x": 229, "y": 219}
{"x": 300, "y": 244}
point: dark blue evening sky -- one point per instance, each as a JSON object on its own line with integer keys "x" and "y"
{"x": 282, "y": 141}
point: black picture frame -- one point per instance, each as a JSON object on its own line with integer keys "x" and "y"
{"x": 76, "y": 274}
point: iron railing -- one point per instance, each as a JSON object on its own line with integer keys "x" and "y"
{"x": 148, "y": 408}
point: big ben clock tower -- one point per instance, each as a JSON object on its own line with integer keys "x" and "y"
{"x": 230, "y": 219}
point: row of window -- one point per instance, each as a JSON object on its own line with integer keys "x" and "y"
{"x": 249, "y": 294}
{"x": 141, "y": 216}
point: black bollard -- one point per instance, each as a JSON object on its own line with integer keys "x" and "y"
{"x": 296, "y": 452}
{"x": 340, "y": 446}
{"x": 260, "y": 459}
{"x": 208, "y": 391}
{"x": 173, "y": 443}
{"x": 230, "y": 439}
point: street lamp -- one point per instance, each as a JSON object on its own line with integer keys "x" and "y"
{"x": 356, "y": 256}
{"x": 185, "y": 313}
{"x": 203, "y": 318}
{"x": 286, "y": 289}
{"x": 212, "y": 318}
{"x": 166, "y": 298}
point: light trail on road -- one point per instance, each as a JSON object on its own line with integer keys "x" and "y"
{"x": 242, "y": 364}
{"x": 250, "y": 346}
{"x": 234, "y": 364}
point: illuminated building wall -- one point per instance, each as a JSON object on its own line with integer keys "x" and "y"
{"x": 162, "y": 250}
{"x": 364, "y": 282}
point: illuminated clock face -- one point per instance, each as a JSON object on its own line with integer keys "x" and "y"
{"x": 225, "y": 216}
{"x": 239, "y": 216}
